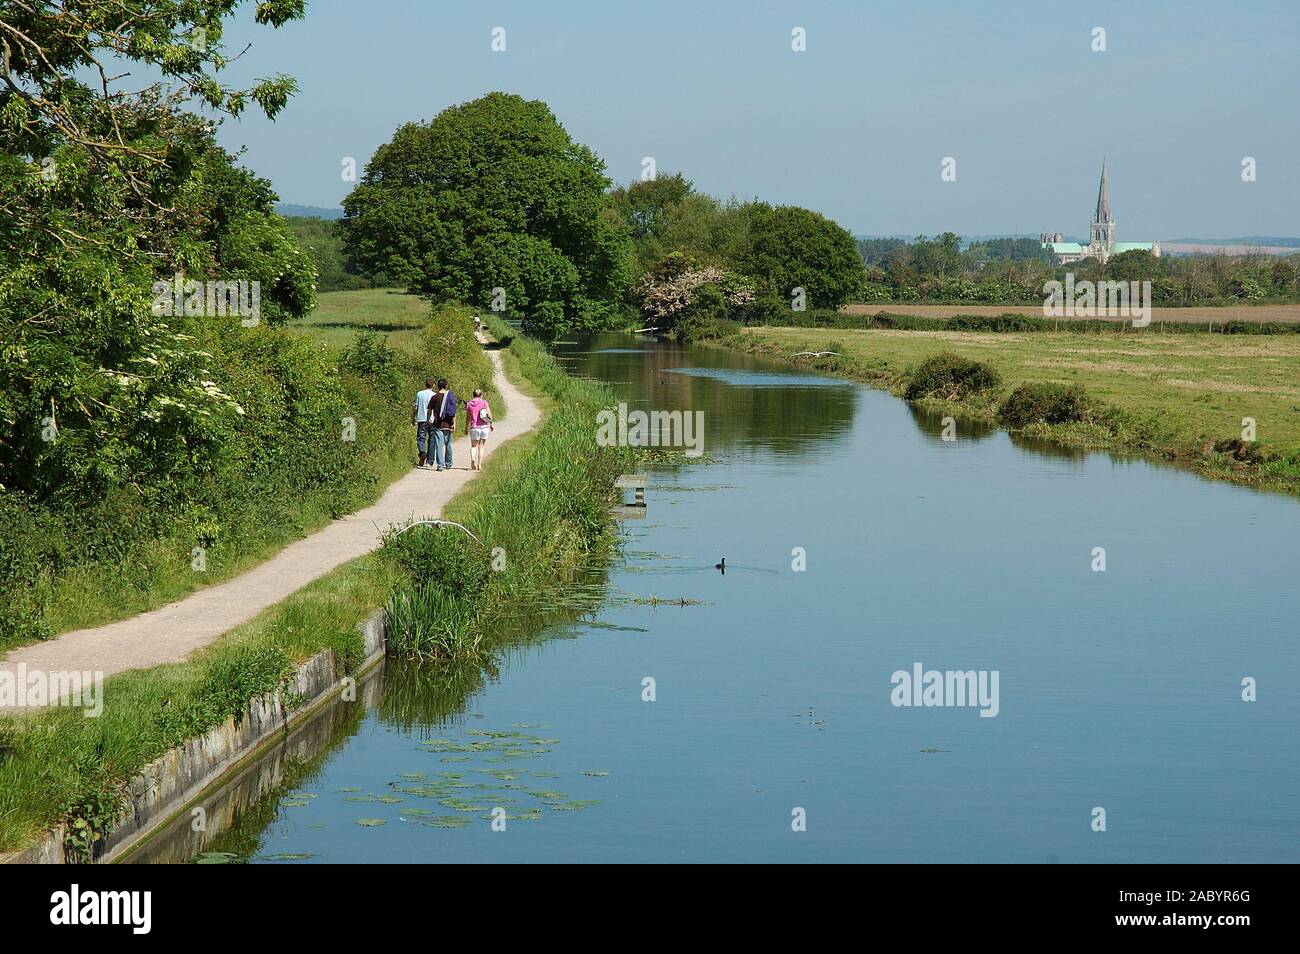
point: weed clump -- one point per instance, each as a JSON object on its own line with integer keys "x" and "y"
{"x": 1045, "y": 404}
{"x": 951, "y": 377}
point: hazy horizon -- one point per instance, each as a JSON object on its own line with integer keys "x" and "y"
{"x": 855, "y": 127}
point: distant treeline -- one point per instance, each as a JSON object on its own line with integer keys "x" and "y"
{"x": 335, "y": 270}
{"x": 1013, "y": 271}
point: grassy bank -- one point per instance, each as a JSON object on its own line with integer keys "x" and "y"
{"x": 543, "y": 499}
{"x": 1174, "y": 396}
{"x": 540, "y": 518}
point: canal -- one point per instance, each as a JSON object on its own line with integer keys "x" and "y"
{"x": 672, "y": 712}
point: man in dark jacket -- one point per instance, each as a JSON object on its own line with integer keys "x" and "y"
{"x": 442, "y": 415}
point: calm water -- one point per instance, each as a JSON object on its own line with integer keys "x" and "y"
{"x": 1119, "y": 689}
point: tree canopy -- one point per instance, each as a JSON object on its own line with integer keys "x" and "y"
{"x": 492, "y": 203}
{"x": 788, "y": 248}
{"x": 104, "y": 191}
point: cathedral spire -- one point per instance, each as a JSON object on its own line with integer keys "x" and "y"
{"x": 1103, "y": 198}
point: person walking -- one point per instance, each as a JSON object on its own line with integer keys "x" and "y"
{"x": 442, "y": 416}
{"x": 478, "y": 421}
{"x": 423, "y": 429}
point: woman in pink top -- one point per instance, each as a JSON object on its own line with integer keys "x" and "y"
{"x": 478, "y": 421}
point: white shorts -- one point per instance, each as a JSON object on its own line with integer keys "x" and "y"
{"x": 478, "y": 433}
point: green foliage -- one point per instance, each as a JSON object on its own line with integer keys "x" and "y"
{"x": 1007, "y": 271}
{"x": 444, "y": 556}
{"x": 448, "y": 349}
{"x": 951, "y": 377}
{"x": 681, "y": 297}
{"x": 111, "y": 408}
{"x": 225, "y": 690}
{"x": 1250, "y": 452}
{"x": 428, "y": 619}
{"x": 111, "y": 517}
{"x": 335, "y": 270}
{"x": 370, "y": 357}
{"x": 778, "y": 314}
{"x": 493, "y": 194}
{"x": 103, "y": 193}
{"x": 788, "y": 248}
{"x": 1045, "y": 404}
{"x": 666, "y": 216}
{"x": 91, "y": 809}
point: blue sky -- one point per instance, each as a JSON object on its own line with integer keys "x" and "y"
{"x": 855, "y": 127}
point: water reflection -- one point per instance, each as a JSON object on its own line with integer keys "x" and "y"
{"x": 932, "y": 424}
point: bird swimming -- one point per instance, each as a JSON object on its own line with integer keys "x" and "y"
{"x": 721, "y": 566}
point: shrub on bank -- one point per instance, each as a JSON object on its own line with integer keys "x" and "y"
{"x": 951, "y": 377}
{"x": 1044, "y": 404}
{"x": 1250, "y": 452}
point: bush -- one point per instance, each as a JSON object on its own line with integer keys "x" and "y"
{"x": 1250, "y": 452}
{"x": 1045, "y": 404}
{"x": 951, "y": 377}
{"x": 445, "y": 558}
{"x": 371, "y": 358}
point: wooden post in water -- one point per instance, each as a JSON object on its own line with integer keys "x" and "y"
{"x": 637, "y": 509}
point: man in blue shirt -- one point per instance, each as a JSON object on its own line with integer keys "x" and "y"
{"x": 420, "y": 418}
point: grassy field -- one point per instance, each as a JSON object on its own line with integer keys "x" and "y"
{"x": 388, "y": 311}
{"x": 1187, "y": 391}
{"x": 1285, "y": 314}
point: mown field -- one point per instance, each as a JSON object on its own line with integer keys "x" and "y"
{"x": 1288, "y": 314}
{"x": 1192, "y": 390}
{"x": 338, "y": 316}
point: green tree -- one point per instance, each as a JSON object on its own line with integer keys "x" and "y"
{"x": 644, "y": 206}
{"x": 493, "y": 194}
{"x": 788, "y": 247}
{"x": 103, "y": 191}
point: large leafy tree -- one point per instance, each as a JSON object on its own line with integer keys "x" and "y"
{"x": 492, "y": 198}
{"x": 104, "y": 190}
{"x": 788, "y": 247}
{"x": 666, "y": 215}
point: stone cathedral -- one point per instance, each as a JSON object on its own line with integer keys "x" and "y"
{"x": 1101, "y": 235}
